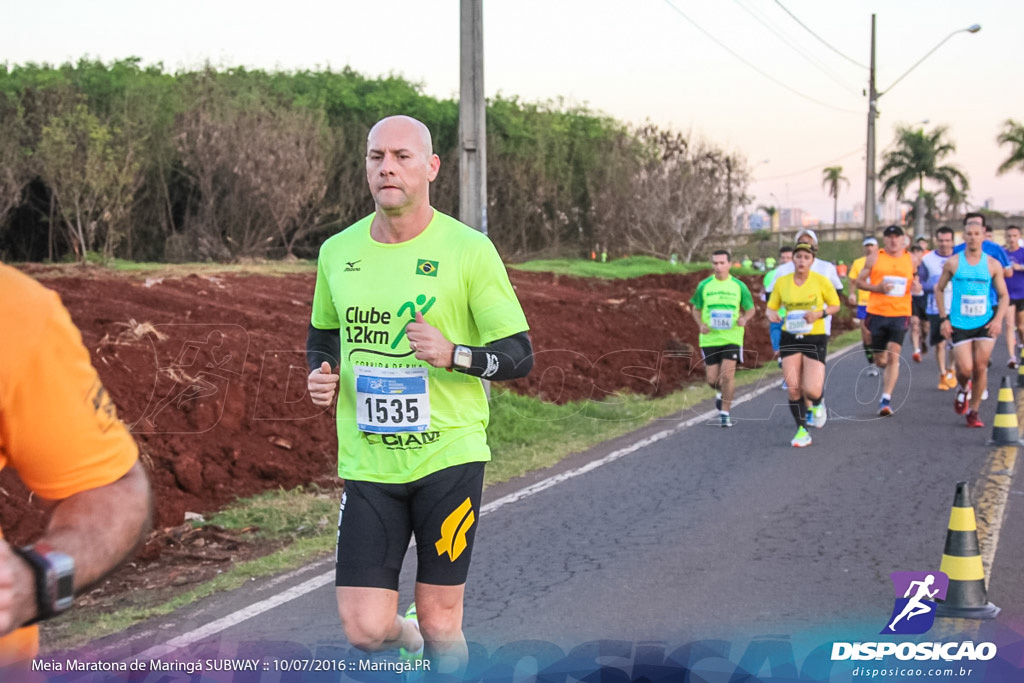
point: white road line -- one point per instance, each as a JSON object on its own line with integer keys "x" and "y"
{"x": 316, "y": 582}
{"x": 230, "y": 620}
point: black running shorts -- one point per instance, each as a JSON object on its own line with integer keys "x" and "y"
{"x": 714, "y": 355}
{"x": 919, "y": 307}
{"x": 977, "y": 333}
{"x": 935, "y": 331}
{"x": 886, "y": 329}
{"x": 814, "y": 346}
{"x": 376, "y": 522}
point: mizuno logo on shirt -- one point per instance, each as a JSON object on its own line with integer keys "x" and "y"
{"x": 352, "y": 266}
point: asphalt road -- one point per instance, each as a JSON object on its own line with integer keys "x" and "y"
{"x": 704, "y": 534}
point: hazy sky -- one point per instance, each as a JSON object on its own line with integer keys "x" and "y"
{"x": 636, "y": 60}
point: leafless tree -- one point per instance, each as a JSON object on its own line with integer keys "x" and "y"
{"x": 259, "y": 171}
{"x": 684, "y": 193}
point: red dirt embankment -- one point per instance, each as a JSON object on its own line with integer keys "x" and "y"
{"x": 210, "y": 372}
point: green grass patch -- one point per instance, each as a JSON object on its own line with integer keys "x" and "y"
{"x": 632, "y": 266}
{"x": 281, "y": 514}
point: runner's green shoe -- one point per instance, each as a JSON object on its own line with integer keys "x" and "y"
{"x": 410, "y": 615}
{"x": 801, "y": 439}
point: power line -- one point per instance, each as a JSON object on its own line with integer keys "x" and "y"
{"x": 822, "y": 40}
{"x": 814, "y": 167}
{"x": 754, "y": 67}
{"x": 785, "y": 39}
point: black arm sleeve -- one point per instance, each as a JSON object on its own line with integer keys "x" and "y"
{"x": 322, "y": 345}
{"x": 503, "y": 359}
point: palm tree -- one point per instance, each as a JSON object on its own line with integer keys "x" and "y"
{"x": 771, "y": 211}
{"x": 1012, "y": 135}
{"x": 917, "y": 156}
{"x": 833, "y": 177}
{"x": 931, "y": 208}
{"x": 955, "y": 201}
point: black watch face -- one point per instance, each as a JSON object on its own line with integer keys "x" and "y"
{"x": 65, "y": 592}
{"x": 62, "y": 575}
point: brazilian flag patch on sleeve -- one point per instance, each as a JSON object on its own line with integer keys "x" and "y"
{"x": 428, "y": 268}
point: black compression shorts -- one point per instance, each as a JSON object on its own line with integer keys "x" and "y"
{"x": 376, "y": 522}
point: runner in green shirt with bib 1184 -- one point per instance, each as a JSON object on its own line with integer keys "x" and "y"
{"x": 722, "y": 306}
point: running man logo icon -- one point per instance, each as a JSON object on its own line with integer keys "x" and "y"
{"x": 453, "y": 531}
{"x": 914, "y": 612}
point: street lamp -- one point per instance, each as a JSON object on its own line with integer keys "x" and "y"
{"x": 873, "y": 95}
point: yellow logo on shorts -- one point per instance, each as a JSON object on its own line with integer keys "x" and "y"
{"x": 453, "y": 531}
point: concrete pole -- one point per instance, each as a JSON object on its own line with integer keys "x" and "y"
{"x": 472, "y": 122}
{"x": 869, "y": 180}
{"x": 472, "y": 118}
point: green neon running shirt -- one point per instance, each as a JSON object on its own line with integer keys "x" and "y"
{"x": 722, "y": 300}
{"x": 369, "y": 291}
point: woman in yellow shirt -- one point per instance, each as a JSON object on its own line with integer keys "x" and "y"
{"x": 807, "y": 298}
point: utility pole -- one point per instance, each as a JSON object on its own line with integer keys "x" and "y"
{"x": 472, "y": 117}
{"x": 869, "y": 181}
{"x": 873, "y": 95}
{"x": 472, "y": 122}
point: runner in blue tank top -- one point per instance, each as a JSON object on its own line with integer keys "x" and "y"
{"x": 970, "y": 323}
{"x": 1015, "y": 286}
{"x": 971, "y": 308}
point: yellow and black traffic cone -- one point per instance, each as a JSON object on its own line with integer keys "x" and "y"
{"x": 1004, "y": 427}
{"x": 1020, "y": 368}
{"x": 966, "y": 597}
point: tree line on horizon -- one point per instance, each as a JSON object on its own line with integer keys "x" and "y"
{"x": 132, "y": 162}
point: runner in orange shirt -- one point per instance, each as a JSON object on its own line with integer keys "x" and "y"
{"x": 888, "y": 276}
{"x": 59, "y": 430}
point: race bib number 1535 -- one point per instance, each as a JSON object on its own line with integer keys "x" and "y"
{"x": 391, "y": 400}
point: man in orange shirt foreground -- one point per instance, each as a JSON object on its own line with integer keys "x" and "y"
{"x": 59, "y": 430}
{"x": 888, "y": 275}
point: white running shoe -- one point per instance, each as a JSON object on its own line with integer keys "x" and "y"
{"x": 820, "y": 415}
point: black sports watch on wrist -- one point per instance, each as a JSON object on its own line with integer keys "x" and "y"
{"x": 54, "y": 574}
{"x": 462, "y": 357}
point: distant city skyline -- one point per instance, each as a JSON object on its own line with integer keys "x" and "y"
{"x": 744, "y": 76}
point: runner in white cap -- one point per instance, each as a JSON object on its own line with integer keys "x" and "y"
{"x": 820, "y": 266}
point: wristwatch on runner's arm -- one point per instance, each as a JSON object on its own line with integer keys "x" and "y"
{"x": 462, "y": 357}
{"x": 54, "y": 574}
